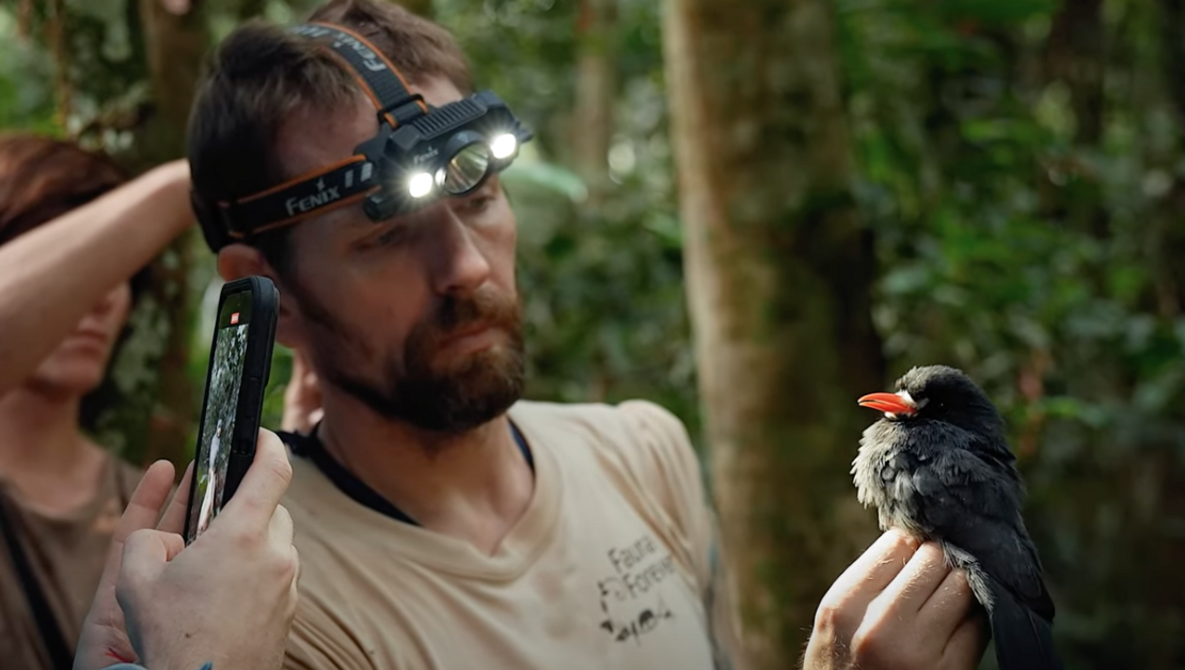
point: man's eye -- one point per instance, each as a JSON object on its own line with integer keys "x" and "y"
{"x": 390, "y": 237}
{"x": 479, "y": 202}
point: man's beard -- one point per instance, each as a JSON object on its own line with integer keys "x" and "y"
{"x": 470, "y": 392}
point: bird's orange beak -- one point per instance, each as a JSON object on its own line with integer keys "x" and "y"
{"x": 888, "y": 402}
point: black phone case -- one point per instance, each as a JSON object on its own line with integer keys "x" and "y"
{"x": 257, "y": 366}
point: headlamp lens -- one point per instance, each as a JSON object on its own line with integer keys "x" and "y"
{"x": 419, "y": 185}
{"x": 503, "y": 146}
{"x": 465, "y": 169}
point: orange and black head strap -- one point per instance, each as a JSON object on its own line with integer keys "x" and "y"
{"x": 336, "y": 185}
{"x": 378, "y": 77}
{"x": 414, "y": 145}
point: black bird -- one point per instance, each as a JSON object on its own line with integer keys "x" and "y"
{"x": 938, "y": 466}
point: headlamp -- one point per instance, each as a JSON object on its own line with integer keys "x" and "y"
{"x": 421, "y": 152}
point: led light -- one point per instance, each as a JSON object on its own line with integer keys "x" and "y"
{"x": 420, "y": 184}
{"x": 503, "y": 146}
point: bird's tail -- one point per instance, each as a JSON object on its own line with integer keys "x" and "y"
{"x": 1024, "y": 640}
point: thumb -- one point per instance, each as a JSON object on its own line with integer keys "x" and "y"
{"x": 266, "y": 480}
{"x": 141, "y": 512}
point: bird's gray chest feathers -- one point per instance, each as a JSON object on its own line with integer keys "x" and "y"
{"x": 884, "y": 473}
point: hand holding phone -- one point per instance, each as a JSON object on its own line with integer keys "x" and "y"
{"x": 240, "y": 364}
{"x": 173, "y": 599}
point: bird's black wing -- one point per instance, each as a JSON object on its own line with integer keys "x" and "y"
{"x": 972, "y": 500}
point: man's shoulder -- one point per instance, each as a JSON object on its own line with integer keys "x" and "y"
{"x": 640, "y": 436}
{"x": 631, "y": 424}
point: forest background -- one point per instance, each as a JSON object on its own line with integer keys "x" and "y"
{"x": 755, "y": 211}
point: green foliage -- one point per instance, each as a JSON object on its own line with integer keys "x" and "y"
{"x": 1028, "y": 256}
{"x": 602, "y": 287}
{"x": 26, "y": 93}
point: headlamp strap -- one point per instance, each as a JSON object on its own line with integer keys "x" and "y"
{"x": 382, "y": 82}
{"x": 311, "y": 193}
{"x": 344, "y": 182}
{"x": 347, "y": 181}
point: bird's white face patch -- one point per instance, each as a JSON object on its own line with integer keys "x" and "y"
{"x": 915, "y": 404}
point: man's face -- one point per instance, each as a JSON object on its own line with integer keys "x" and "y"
{"x": 416, "y": 316}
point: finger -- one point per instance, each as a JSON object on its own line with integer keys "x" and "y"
{"x": 141, "y": 512}
{"x": 294, "y": 588}
{"x": 145, "y": 554}
{"x": 290, "y": 419}
{"x": 280, "y": 530}
{"x": 266, "y": 480}
{"x": 174, "y": 519}
{"x": 918, "y": 580}
{"x": 874, "y": 570}
{"x": 966, "y": 646}
{"x": 146, "y": 502}
{"x": 300, "y": 371}
{"x": 948, "y": 606}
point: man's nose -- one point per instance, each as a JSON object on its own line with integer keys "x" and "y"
{"x": 460, "y": 266}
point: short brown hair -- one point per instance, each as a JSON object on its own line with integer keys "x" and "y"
{"x": 262, "y": 73}
{"x": 42, "y": 178}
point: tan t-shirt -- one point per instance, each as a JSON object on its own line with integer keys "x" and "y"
{"x": 67, "y": 554}
{"x": 612, "y": 566}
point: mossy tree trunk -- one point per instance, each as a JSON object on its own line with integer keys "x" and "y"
{"x": 596, "y": 92}
{"x": 175, "y": 44}
{"x": 779, "y": 272}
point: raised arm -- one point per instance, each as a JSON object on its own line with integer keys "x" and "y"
{"x": 51, "y": 276}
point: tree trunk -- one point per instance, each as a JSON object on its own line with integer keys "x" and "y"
{"x": 1074, "y": 54}
{"x": 176, "y": 45}
{"x": 595, "y": 93}
{"x": 1170, "y": 273}
{"x": 779, "y": 273}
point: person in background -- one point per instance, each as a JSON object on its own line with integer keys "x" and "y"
{"x": 72, "y": 235}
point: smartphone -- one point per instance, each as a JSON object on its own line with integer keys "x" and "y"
{"x": 240, "y": 365}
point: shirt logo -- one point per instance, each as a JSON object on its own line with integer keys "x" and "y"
{"x": 631, "y": 598}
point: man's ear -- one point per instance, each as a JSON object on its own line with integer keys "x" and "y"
{"x": 240, "y": 260}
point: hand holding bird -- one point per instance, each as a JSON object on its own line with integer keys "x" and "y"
{"x": 898, "y": 607}
{"x": 938, "y": 467}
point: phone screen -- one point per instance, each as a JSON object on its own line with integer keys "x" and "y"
{"x": 222, "y": 401}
